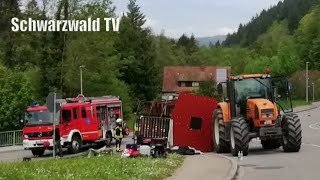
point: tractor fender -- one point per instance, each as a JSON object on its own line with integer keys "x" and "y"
{"x": 71, "y": 133}
{"x": 225, "y": 109}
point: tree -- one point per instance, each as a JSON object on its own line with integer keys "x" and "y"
{"x": 217, "y": 44}
{"x": 208, "y": 88}
{"x": 15, "y": 96}
{"x": 137, "y": 54}
{"x": 314, "y": 55}
{"x": 53, "y": 55}
{"x": 8, "y": 10}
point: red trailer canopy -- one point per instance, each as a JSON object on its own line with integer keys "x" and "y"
{"x": 192, "y": 121}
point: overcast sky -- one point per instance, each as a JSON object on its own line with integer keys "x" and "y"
{"x": 200, "y": 17}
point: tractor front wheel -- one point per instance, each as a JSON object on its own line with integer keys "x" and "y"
{"x": 221, "y": 144}
{"x": 239, "y": 137}
{"x": 291, "y": 133}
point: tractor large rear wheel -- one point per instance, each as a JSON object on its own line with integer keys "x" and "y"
{"x": 221, "y": 144}
{"x": 239, "y": 137}
{"x": 291, "y": 133}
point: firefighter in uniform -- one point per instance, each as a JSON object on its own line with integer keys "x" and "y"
{"x": 118, "y": 134}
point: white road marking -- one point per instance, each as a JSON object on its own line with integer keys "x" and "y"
{"x": 315, "y": 126}
{"x": 313, "y": 145}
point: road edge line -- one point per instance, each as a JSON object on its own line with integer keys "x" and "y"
{"x": 308, "y": 109}
{"x": 234, "y": 167}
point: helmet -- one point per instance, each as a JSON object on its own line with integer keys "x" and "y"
{"x": 119, "y": 120}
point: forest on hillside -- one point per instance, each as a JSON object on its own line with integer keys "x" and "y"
{"x": 129, "y": 63}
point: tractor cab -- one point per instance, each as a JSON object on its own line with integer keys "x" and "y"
{"x": 256, "y": 89}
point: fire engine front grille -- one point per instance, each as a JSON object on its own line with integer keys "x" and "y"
{"x": 39, "y": 134}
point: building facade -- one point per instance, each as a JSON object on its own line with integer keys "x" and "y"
{"x": 178, "y": 79}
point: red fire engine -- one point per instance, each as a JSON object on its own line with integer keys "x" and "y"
{"x": 82, "y": 121}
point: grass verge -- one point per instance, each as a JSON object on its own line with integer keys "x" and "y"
{"x": 105, "y": 167}
{"x": 297, "y": 103}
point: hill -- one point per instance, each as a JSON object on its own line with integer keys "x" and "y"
{"x": 291, "y": 10}
{"x": 205, "y": 41}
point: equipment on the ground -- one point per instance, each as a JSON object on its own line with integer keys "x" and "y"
{"x": 255, "y": 105}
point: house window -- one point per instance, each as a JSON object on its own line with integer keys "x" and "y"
{"x": 195, "y": 84}
{"x": 195, "y": 123}
{"x": 188, "y": 84}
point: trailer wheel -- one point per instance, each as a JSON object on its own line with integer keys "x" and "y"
{"x": 239, "y": 137}
{"x": 221, "y": 144}
{"x": 75, "y": 145}
{"x": 38, "y": 152}
{"x": 271, "y": 143}
{"x": 291, "y": 133}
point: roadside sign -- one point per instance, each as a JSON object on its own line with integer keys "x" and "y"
{"x": 54, "y": 107}
{"x": 51, "y": 100}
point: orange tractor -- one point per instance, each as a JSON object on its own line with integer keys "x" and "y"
{"x": 255, "y": 106}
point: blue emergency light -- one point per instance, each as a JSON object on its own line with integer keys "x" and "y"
{"x": 34, "y": 104}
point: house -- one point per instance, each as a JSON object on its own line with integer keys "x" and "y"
{"x": 178, "y": 79}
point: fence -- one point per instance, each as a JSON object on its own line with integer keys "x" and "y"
{"x": 10, "y": 138}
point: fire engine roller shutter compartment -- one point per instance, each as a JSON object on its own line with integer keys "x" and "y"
{"x": 192, "y": 121}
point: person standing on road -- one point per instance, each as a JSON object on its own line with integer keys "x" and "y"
{"x": 58, "y": 142}
{"x": 118, "y": 134}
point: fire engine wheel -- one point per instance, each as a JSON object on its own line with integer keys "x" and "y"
{"x": 271, "y": 143}
{"x": 75, "y": 145}
{"x": 291, "y": 133}
{"x": 221, "y": 144}
{"x": 239, "y": 137}
{"x": 38, "y": 152}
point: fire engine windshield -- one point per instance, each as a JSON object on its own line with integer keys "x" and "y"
{"x": 38, "y": 118}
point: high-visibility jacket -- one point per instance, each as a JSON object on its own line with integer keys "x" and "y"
{"x": 118, "y": 132}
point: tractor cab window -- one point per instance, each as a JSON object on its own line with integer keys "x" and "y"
{"x": 248, "y": 89}
{"x": 281, "y": 91}
{"x": 251, "y": 88}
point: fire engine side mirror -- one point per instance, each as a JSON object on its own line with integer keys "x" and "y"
{"x": 220, "y": 88}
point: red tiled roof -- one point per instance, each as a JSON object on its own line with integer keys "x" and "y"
{"x": 173, "y": 74}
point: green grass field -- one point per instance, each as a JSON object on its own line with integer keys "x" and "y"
{"x": 105, "y": 167}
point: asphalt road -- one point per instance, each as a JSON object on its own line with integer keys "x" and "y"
{"x": 18, "y": 155}
{"x": 276, "y": 164}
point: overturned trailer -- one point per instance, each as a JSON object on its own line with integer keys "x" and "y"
{"x": 184, "y": 121}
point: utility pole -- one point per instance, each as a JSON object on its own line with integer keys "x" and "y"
{"x": 313, "y": 91}
{"x": 54, "y": 125}
{"x": 81, "y": 78}
{"x": 307, "y": 82}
